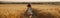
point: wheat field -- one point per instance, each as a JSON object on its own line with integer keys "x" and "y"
{"x": 18, "y": 10}
{"x": 12, "y": 10}
{"x": 47, "y": 11}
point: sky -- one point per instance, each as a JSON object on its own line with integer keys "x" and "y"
{"x": 31, "y": 0}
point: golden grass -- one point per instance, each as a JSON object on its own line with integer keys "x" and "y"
{"x": 12, "y": 10}
{"x": 47, "y": 11}
{"x": 18, "y": 10}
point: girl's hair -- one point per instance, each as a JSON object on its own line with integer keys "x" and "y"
{"x": 29, "y": 5}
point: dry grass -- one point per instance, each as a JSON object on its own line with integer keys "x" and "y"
{"x": 12, "y": 10}
{"x": 18, "y": 10}
{"x": 47, "y": 11}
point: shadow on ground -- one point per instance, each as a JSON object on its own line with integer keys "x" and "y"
{"x": 36, "y": 14}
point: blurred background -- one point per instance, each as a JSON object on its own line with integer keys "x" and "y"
{"x": 31, "y": 1}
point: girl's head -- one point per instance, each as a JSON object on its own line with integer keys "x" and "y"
{"x": 29, "y": 5}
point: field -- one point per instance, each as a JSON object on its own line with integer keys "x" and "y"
{"x": 12, "y": 10}
{"x": 18, "y": 10}
{"x": 47, "y": 11}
